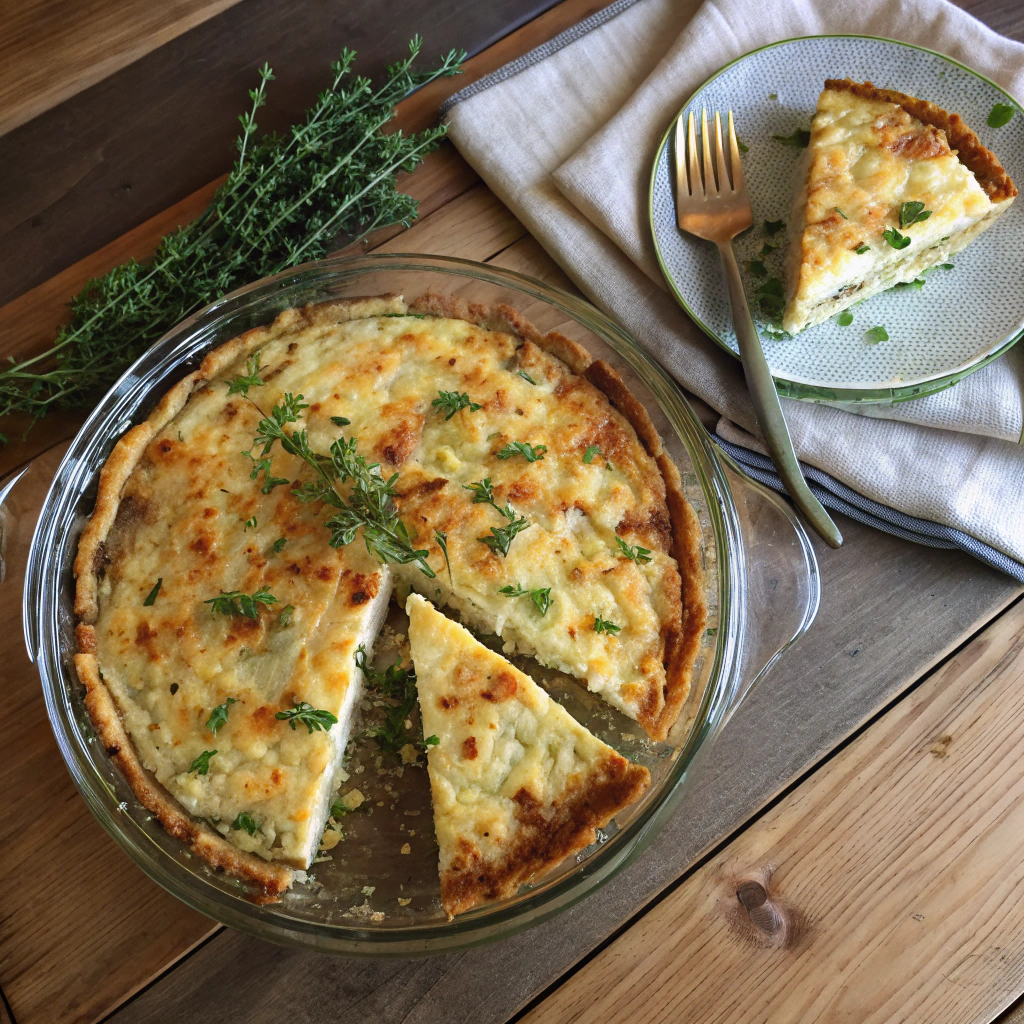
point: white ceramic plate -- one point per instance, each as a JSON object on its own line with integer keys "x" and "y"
{"x": 959, "y": 321}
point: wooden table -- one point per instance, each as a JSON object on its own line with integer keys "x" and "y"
{"x": 849, "y": 852}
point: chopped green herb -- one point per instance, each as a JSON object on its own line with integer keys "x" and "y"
{"x": 592, "y": 450}
{"x": 245, "y": 821}
{"x": 453, "y": 401}
{"x": 711, "y": 632}
{"x": 240, "y": 385}
{"x": 773, "y": 95}
{"x": 757, "y": 268}
{"x": 604, "y": 626}
{"x": 767, "y": 250}
{"x": 840, "y": 212}
{"x": 1000, "y": 114}
{"x": 527, "y": 378}
{"x": 397, "y": 688}
{"x": 911, "y": 213}
{"x": 773, "y": 227}
{"x": 340, "y": 421}
{"x": 861, "y": 249}
{"x": 800, "y": 138}
{"x": 483, "y": 492}
{"x": 237, "y": 603}
{"x": 770, "y": 296}
{"x": 895, "y": 239}
{"x": 278, "y": 545}
{"x": 250, "y": 523}
{"x": 742, "y": 148}
{"x": 775, "y": 334}
{"x": 530, "y": 452}
{"x": 219, "y": 715}
{"x": 442, "y": 542}
{"x": 201, "y": 765}
{"x": 917, "y": 284}
{"x": 152, "y": 595}
{"x": 312, "y": 718}
{"x": 875, "y": 335}
{"x": 501, "y": 537}
{"x": 541, "y": 596}
{"x": 431, "y": 741}
{"x": 634, "y": 554}
{"x": 845, "y": 318}
{"x": 945, "y": 266}
{"x": 284, "y": 618}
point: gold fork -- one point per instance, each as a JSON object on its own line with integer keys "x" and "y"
{"x": 713, "y": 208}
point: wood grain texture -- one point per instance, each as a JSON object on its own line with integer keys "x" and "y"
{"x": 119, "y": 153}
{"x": 888, "y": 886}
{"x": 52, "y": 49}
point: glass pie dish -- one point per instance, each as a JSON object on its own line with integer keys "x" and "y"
{"x": 376, "y": 892}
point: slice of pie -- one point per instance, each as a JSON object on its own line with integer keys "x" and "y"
{"x": 892, "y": 185}
{"x": 517, "y": 784}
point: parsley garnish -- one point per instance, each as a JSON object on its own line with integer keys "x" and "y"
{"x": 284, "y": 618}
{"x": 911, "y": 213}
{"x": 452, "y": 401}
{"x": 895, "y": 239}
{"x": 875, "y": 335}
{"x": 201, "y": 765}
{"x": 340, "y": 421}
{"x": 840, "y": 212}
{"x": 800, "y": 138}
{"x": 541, "y": 596}
{"x": 773, "y": 227}
{"x": 218, "y": 716}
{"x": 368, "y": 504}
{"x": 245, "y": 821}
{"x": 312, "y": 718}
{"x": 1000, "y": 114}
{"x": 861, "y": 249}
{"x": 151, "y": 596}
{"x": 604, "y": 626}
{"x": 532, "y": 453}
{"x": 250, "y": 522}
{"x": 757, "y": 268}
{"x": 237, "y": 603}
{"x": 634, "y": 554}
{"x": 845, "y": 318}
{"x": 278, "y": 544}
{"x": 527, "y": 378}
{"x": 442, "y": 542}
{"x": 592, "y": 450}
{"x": 240, "y": 385}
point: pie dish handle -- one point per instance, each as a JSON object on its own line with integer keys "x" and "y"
{"x": 780, "y": 583}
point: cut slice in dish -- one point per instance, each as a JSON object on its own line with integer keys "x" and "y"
{"x": 517, "y": 784}
{"x": 891, "y": 186}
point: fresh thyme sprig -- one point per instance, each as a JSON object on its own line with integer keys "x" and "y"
{"x": 540, "y": 596}
{"x": 530, "y": 452}
{"x": 309, "y": 716}
{"x": 501, "y": 537}
{"x": 452, "y": 401}
{"x": 240, "y": 385}
{"x": 237, "y": 603}
{"x": 369, "y": 504}
{"x": 288, "y": 199}
{"x": 634, "y": 554}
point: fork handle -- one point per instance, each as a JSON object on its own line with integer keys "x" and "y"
{"x": 767, "y": 406}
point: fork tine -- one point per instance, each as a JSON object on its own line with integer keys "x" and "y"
{"x": 710, "y": 185}
{"x": 734, "y": 157}
{"x": 691, "y": 149}
{"x": 682, "y": 185}
{"x": 720, "y": 164}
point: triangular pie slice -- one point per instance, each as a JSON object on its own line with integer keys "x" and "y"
{"x": 893, "y": 185}
{"x": 518, "y": 785}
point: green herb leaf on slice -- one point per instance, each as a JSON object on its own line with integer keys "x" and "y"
{"x": 845, "y": 318}
{"x": 1000, "y": 114}
{"x": 483, "y": 492}
{"x": 501, "y": 537}
{"x": 431, "y": 741}
{"x": 237, "y": 603}
{"x": 219, "y": 715}
{"x": 340, "y": 421}
{"x": 634, "y": 554}
{"x": 911, "y": 213}
{"x": 861, "y": 249}
{"x": 241, "y": 384}
{"x": 152, "y": 595}
{"x": 527, "y": 378}
{"x": 201, "y": 765}
{"x": 592, "y": 450}
{"x": 453, "y": 401}
{"x": 875, "y": 335}
{"x": 773, "y": 227}
{"x": 278, "y": 545}
{"x": 541, "y": 596}
{"x": 895, "y": 239}
{"x": 917, "y": 284}
{"x": 604, "y": 626}
{"x": 250, "y": 523}
{"x": 530, "y": 452}
{"x": 245, "y": 822}
{"x": 312, "y": 718}
{"x": 840, "y": 212}
{"x": 442, "y": 542}
{"x": 284, "y": 618}
{"x": 800, "y": 138}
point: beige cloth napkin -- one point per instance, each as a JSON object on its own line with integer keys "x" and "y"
{"x": 566, "y": 136}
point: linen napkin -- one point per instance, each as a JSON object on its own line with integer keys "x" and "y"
{"x": 566, "y": 135}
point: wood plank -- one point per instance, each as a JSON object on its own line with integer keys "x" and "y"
{"x": 52, "y": 49}
{"x": 111, "y": 157}
{"x": 894, "y": 610}
{"x": 888, "y": 886}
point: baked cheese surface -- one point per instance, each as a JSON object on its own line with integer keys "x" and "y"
{"x": 867, "y": 157}
{"x": 517, "y": 784}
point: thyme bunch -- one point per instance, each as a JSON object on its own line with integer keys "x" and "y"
{"x": 286, "y": 201}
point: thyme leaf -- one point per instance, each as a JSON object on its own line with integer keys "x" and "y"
{"x": 452, "y": 402}
{"x": 241, "y": 384}
{"x": 541, "y": 596}
{"x": 312, "y": 718}
{"x": 530, "y": 452}
{"x": 634, "y": 554}
{"x": 201, "y": 765}
{"x": 604, "y": 626}
{"x": 237, "y": 603}
{"x": 219, "y": 716}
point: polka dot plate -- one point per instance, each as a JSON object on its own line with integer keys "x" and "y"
{"x": 960, "y": 320}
